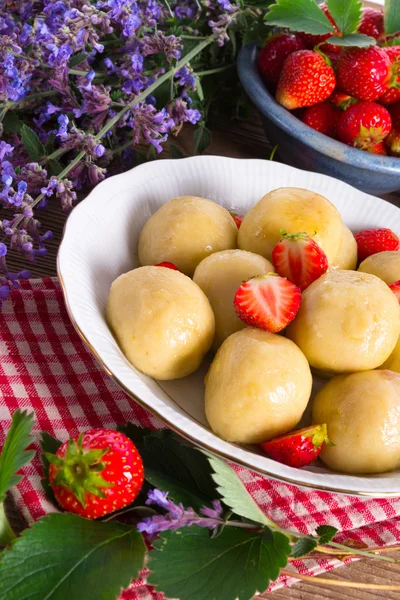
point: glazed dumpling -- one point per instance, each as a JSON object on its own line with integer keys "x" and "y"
{"x": 184, "y": 231}
{"x": 346, "y": 258}
{"x": 257, "y": 387}
{"x": 348, "y": 321}
{"x": 219, "y": 276}
{"x": 162, "y": 321}
{"x": 385, "y": 265}
{"x": 294, "y": 210}
{"x": 362, "y": 413}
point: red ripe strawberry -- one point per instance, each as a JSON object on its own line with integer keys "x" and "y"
{"x": 395, "y": 114}
{"x": 342, "y": 100}
{"x": 237, "y": 218}
{"x": 275, "y": 52}
{"x": 364, "y": 125}
{"x": 322, "y": 117}
{"x": 306, "y": 79}
{"x": 268, "y": 302}
{"x": 299, "y": 258}
{"x": 364, "y": 73}
{"x": 373, "y": 241}
{"x": 393, "y": 142}
{"x": 380, "y": 148}
{"x": 395, "y": 287}
{"x": 392, "y": 95}
{"x": 167, "y": 265}
{"x": 96, "y": 474}
{"x": 314, "y": 40}
{"x": 372, "y": 22}
{"x": 298, "y": 448}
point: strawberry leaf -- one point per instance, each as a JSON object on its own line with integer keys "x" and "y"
{"x": 353, "y": 39}
{"x": 189, "y": 565}
{"x": 65, "y": 556}
{"x": 49, "y": 444}
{"x": 326, "y": 533}
{"x": 392, "y": 16}
{"x": 14, "y": 454}
{"x": 346, "y": 14}
{"x": 299, "y": 15}
{"x": 303, "y": 546}
{"x": 234, "y": 494}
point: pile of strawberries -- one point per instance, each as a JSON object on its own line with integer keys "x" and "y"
{"x": 350, "y": 94}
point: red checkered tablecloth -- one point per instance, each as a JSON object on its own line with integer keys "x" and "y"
{"x": 44, "y": 367}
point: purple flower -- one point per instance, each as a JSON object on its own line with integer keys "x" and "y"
{"x": 63, "y": 122}
{"x": 5, "y": 149}
{"x": 186, "y": 78}
{"x": 137, "y": 62}
{"x": 170, "y": 45}
{"x": 58, "y": 56}
{"x": 3, "y": 249}
{"x": 150, "y": 125}
{"x": 216, "y": 512}
{"x": 179, "y": 111}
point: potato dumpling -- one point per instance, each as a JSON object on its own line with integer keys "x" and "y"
{"x": 257, "y": 387}
{"x": 393, "y": 362}
{"x": 294, "y": 210}
{"x": 184, "y": 231}
{"x": 362, "y": 413}
{"x": 219, "y": 276}
{"x": 385, "y": 265}
{"x": 162, "y": 321}
{"x": 348, "y": 321}
{"x": 346, "y": 258}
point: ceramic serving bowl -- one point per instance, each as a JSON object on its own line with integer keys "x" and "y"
{"x": 303, "y": 147}
{"x": 100, "y": 242}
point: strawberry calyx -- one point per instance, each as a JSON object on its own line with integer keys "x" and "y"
{"x": 80, "y": 470}
{"x": 321, "y": 53}
{"x": 317, "y": 433}
{"x": 369, "y": 136}
{"x": 294, "y": 237}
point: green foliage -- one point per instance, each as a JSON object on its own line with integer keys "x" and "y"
{"x": 392, "y": 16}
{"x": 12, "y": 123}
{"x": 303, "y": 546}
{"x": 326, "y": 533}
{"x": 14, "y": 454}
{"x": 202, "y": 139}
{"x": 77, "y": 59}
{"x": 299, "y": 15}
{"x": 48, "y": 444}
{"x": 354, "y": 39}
{"x": 346, "y": 14}
{"x": 32, "y": 143}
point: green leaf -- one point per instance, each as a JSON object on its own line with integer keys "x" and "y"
{"x": 199, "y": 88}
{"x": 234, "y": 494}
{"x": 175, "y": 152}
{"x": 77, "y": 59}
{"x": 326, "y": 533}
{"x": 303, "y": 546}
{"x": 64, "y": 556}
{"x": 14, "y": 454}
{"x": 32, "y": 144}
{"x": 346, "y": 14}
{"x": 353, "y": 39}
{"x": 49, "y": 444}
{"x": 299, "y": 15}
{"x": 392, "y": 16}
{"x": 258, "y": 32}
{"x": 54, "y": 167}
{"x": 189, "y": 565}
{"x": 136, "y": 433}
{"x": 202, "y": 139}
{"x": 12, "y": 123}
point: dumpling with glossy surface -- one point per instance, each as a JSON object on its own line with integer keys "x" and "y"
{"x": 184, "y": 231}
{"x": 257, "y": 387}
{"x": 346, "y": 258}
{"x": 219, "y": 276}
{"x": 385, "y": 265}
{"x": 162, "y": 321}
{"x": 293, "y": 210}
{"x": 362, "y": 414}
{"x": 348, "y": 321}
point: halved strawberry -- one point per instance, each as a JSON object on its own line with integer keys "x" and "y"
{"x": 167, "y": 265}
{"x": 268, "y": 302}
{"x": 237, "y": 218}
{"x": 298, "y": 448}
{"x": 373, "y": 241}
{"x": 395, "y": 287}
{"x": 299, "y": 258}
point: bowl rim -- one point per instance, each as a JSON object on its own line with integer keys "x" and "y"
{"x": 269, "y": 107}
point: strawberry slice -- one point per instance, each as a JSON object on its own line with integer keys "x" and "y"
{"x": 395, "y": 287}
{"x": 237, "y": 218}
{"x": 268, "y": 302}
{"x": 373, "y": 241}
{"x": 298, "y": 448}
{"x": 167, "y": 265}
{"x": 299, "y": 258}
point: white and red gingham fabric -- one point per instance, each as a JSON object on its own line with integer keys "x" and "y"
{"x": 45, "y": 368}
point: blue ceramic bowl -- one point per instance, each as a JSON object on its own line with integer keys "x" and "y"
{"x": 303, "y": 147}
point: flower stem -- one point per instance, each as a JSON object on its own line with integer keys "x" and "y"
{"x": 212, "y": 71}
{"x": 47, "y": 94}
{"x": 335, "y": 582}
{"x": 6, "y": 533}
{"x": 54, "y": 155}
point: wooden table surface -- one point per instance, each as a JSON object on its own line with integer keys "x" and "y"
{"x": 246, "y": 140}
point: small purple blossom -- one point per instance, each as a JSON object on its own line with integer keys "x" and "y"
{"x": 186, "y": 78}
{"x": 5, "y": 149}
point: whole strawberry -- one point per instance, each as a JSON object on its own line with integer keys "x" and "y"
{"x": 393, "y": 142}
{"x": 96, "y": 474}
{"x": 306, "y": 79}
{"x": 341, "y": 100}
{"x": 322, "y": 117}
{"x": 372, "y": 22}
{"x": 298, "y": 448}
{"x": 299, "y": 258}
{"x": 379, "y": 148}
{"x": 364, "y": 73}
{"x": 392, "y": 95}
{"x": 394, "y": 110}
{"x": 364, "y": 125}
{"x": 275, "y": 52}
{"x": 373, "y": 241}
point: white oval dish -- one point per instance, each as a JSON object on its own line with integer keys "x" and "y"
{"x": 100, "y": 243}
